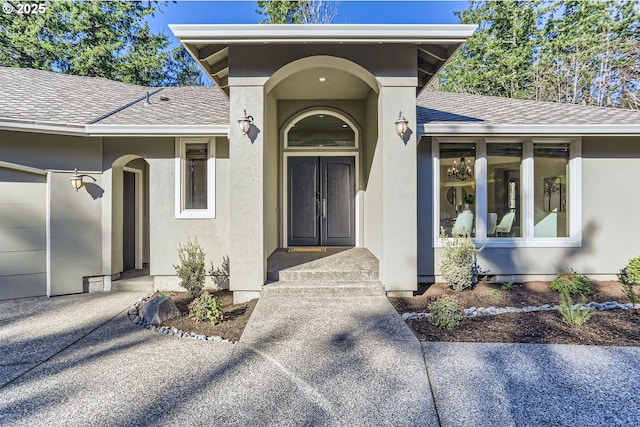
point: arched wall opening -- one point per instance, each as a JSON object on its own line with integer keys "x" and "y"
{"x": 308, "y": 87}
{"x": 129, "y": 214}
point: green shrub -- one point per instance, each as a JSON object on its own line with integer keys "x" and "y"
{"x": 191, "y": 268}
{"x": 494, "y": 293}
{"x": 574, "y": 283}
{"x": 630, "y": 277}
{"x": 446, "y": 313}
{"x": 632, "y": 271}
{"x": 206, "y": 307}
{"x": 574, "y": 317}
{"x": 507, "y": 286}
{"x": 221, "y": 274}
{"x": 630, "y": 293}
{"x": 457, "y": 265}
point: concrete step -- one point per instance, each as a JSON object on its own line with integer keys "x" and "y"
{"x": 332, "y": 265}
{"x": 145, "y": 284}
{"x": 315, "y": 276}
{"x": 323, "y": 289}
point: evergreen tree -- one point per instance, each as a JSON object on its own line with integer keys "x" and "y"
{"x": 106, "y": 39}
{"x": 498, "y": 59}
{"x": 585, "y": 52}
{"x": 297, "y": 11}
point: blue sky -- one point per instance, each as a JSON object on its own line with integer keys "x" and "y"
{"x": 349, "y": 12}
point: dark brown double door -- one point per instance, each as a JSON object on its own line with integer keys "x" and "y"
{"x": 321, "y": 201}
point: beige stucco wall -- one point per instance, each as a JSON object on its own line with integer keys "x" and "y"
{"x": 387, "y": 179}
{"x": 610, "y": 230}
{"x": 75, "y": 217}
{"x": 372, "y": 183}
{"x": 166, "y": 231}
{"x": 396, "y": 60}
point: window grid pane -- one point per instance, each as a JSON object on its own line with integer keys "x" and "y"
{"x": 195, "y": 176}
{"x": 551, "y": 190}
{"x": 504, "y": 199}
{"x": 457, "y": 188}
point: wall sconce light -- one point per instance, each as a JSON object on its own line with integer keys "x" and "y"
{"x": 245, "y": 122}
{"x": 401, "y": 125}
{"x": 76, "y": 180}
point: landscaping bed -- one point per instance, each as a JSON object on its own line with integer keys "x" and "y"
{"x": 236, "y": 316}
{"x": 615, "y": 327}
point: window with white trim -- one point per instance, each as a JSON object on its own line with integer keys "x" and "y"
{"x": 195, "y": 178}
{"x": 507, "y": 192}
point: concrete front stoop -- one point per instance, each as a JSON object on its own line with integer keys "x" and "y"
{"x": 338, "y": 272}
{"x": 135, "y": 280}
{"x": 327, "y": 328}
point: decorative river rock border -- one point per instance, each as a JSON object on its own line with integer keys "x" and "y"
{"x": 490, "y": 311}
{"x": 136, "y": 319}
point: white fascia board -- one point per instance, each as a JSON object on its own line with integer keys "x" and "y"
{"x": 23, "y": 168}
{"x": 149, "y": 130}
{"x": 485, "y": 129}
{"x": 41, "y": 127}
{"x": 322, "y": 33}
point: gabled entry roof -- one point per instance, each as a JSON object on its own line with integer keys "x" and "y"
{"x": 209, "y": 44}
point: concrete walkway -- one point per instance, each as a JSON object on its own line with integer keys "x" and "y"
{"x": 77, "y": 361}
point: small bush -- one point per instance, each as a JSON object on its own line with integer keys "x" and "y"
{"x": 574, "y": 317}
{"x": 507, "y": 286}
{"x": 630, "y": 293}
{"x": 446, "y": 313}
{"x": 206, "y": 307}
{"x": 572, "y": 282}
{"x": 221, "y": 274}
{"x": 630, "y": 277}
{"x": 191, "y": 268}
{"x": 494, "y": 293}
{"x": 633, "y": 271}
{"x": 457, "y": 265}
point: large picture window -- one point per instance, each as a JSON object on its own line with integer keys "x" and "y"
{"x": 195, "y": 163}
{"x": 507, "y": 192}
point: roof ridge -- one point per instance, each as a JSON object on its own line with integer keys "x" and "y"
{"x": 124, "y": 107}
{"x": 537, "y": 101}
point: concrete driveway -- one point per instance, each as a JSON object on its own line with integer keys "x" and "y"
{"x": 77, "y": 360}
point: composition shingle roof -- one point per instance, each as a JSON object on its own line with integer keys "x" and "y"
{"x": 44, "y": 96}
{"x": 456, "y": 108}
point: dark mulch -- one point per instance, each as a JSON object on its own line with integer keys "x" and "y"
{"x": 617, "y": 327}
{"x": 236, "y": 316}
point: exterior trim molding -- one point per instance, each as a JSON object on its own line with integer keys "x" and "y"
{"x": 22, "y": 168}
{"x": 180, "y": 147}
{"x": 322, "y": 33}
{"x": 41, "y": 127}
{"x": 161, "y": 130}
{"x": 112, "y": 130}
{"x": 427, "y": 129}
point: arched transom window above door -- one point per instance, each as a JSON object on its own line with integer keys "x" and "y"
{"x": 321, "y": 129}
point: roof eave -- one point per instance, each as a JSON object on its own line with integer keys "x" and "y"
{"x": 440, "y": 129}
{"x": 321, "y": 33}
{"x": 34, "y": 126}
{"x": 157, "y": 130}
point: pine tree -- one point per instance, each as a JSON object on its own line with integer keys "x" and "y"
{"x": 584, "y": 52}
{"x": 297, "y": 11}
{"x": 106, "y": 39}
{"x": 498, "y": 59}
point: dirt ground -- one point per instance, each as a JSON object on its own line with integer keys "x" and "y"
{"x": 236, "y": 316}
{"x": 616, "y": 327}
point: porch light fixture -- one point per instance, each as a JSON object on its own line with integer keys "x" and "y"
{"x": 462, "y": 171}
{"x": 77, "y": 179}
{"x": 245, "y": 122}
{"x": 401, "y": 125}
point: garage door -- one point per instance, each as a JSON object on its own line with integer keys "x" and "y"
{"x": 22, "y": 234}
